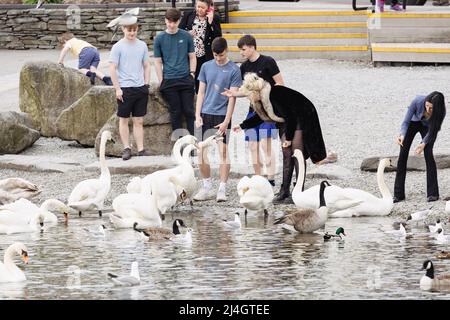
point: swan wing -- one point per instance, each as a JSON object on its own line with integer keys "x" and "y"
{"x": 22, "y": 206}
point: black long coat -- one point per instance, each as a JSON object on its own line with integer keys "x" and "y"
{"x": 213, "y": 30}
{"x": 295, "y": 109}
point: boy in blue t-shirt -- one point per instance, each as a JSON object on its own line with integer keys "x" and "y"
{"x": 175, "y": 64}
{"x": 213, "y": 113}
{"x": 130, "y": 74}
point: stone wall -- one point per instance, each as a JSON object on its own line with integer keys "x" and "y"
{"x": 22, "y": 27}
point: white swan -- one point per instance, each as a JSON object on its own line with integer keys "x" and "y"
{"x": 256, "y": 193}
{"x": 12, "y": 189}
{"x": 135, "y": 185}
{"x": 447, "y": 206}
{"x": 130, "y": 208}
{"x": 9, "y": 272}
{"x": 12, "y": 222}
{"x": 90, "y": 194}
{"x": 335, "y": 196}
{"x": 370, "y": 205}
{"x": 25, "y": 207}
{"x": 306, "y": 220}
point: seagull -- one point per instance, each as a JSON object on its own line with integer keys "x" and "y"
{"x": 441, "y": 238}
{"x": 235, "y": 224}
{"x": 128, "y": 16}
{"x": 418, "y": 216}
{"x": 401, "y": 233}
{"x": 100, "y": 231}
{"x": 132, "y": 280}
{"x": 436, "y": 227}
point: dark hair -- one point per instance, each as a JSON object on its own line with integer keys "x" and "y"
{"x": 208, "y": 2}
{"x": 173, "y": 14}
{"x": 437, "y": 116}
{"x": 219, "y": 45}
{"x": 247, "y": 40}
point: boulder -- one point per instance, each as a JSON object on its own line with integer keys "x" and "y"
{"x": 86, "y": 116}
{"x": 415, "y": 163}
{"x": 157, "y": 129}
{"x": 46, "y": 89}
{"x": 16, "y": 132}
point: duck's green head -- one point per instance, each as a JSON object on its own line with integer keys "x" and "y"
{"x": 340, "y": 231}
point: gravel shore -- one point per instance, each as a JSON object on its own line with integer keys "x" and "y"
{"x": 360, "y": 109}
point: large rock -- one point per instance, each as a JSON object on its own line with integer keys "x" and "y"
{"x": 16, "y": 133}
{"x": 415, "y": 163}
{"x": 86, "y": 116}
{"x": 157, "y": 129}
{"x": 46, "y": 89}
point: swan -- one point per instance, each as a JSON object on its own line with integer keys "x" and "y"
{"x": 9, "y": 272}
{"x": 335, "y": 196}
{"x": 25, "y": 207}
{"x": 306, "y": 220}
{"x": 12, "y": 189}
{"x": 255, "y": 193}
{"x": 155, "y": 233}
{"x": 129, "y": 280}
{"x": 11, "y": 222}
{"x": 90, "y": 194}
{"x": 135, "y": 184}
{"x": 370, "y": 205}
{"x": 430, "y": 281}
{"x": 130, "y": 208}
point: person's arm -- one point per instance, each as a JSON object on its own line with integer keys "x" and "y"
{"x": 147, "y": 70}
{"x": 192, "y": 63}
{"x": 199, "y": 104}
{"x": 183, "y": 23}
{"x": 251, "y": 122}
{"x": 406, "y": 121}
{"x": 158, "y": 69}
{"x": 214, "y": 25}
{"x": 222, "y": 127}
{"x": 63, "y": 54}
{"x": 115, "y": 80}
{"x": 278, "y": 78}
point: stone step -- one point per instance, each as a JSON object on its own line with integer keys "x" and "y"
{"x": 411, "y": 52}
{"x": 296, "y": 16}
{"x": 332, "y": 27}
{"x": 301, "y": 39}
{"x": 360, "y": 53}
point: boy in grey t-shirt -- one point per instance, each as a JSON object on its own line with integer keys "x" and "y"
{"x": 213, "y": 113}
{"x": 130, "y": 74}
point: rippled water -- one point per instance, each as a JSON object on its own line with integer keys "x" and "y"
{"x": 258, "y": 262}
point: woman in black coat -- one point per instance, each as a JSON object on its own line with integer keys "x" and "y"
{"x": 296, "y": 118}
{"x": 204, "y": 26}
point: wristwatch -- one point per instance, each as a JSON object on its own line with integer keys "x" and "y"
{"x": 192, "y": 72}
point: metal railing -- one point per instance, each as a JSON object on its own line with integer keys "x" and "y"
{"x": 373, "y": 2}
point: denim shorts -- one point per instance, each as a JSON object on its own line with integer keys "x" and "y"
{"x": 264, "y": 131}
{"x": 88, "y": 57}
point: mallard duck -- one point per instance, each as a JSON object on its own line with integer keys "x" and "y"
{"x": 443, "y": 255}
{"x": 306, "y": 220}
{"x": 9, "y": 272}
{"x": 160, "y": 233}
{"x": 336, "y": 236}
{"x": 431, "y": 282}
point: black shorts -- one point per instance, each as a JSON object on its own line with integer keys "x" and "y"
{"x": 209, "y": 122}
{"x": 134, "y": 102}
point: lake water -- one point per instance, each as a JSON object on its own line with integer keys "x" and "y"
{"x": 260, "y": 261}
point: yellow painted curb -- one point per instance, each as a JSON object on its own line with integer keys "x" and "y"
{"x": 294, "y": 13}
{"x": 415, "y": 50}
{"x": 293, "y": 25}
{"x": 307, "y": 48}
{"x": 232, "y": 36}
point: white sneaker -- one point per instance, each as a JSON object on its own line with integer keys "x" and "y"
{"x": 204, "y": 194}
{"x": 221, "y": 195}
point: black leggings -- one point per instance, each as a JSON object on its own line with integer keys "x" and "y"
{"x": 290, "y": 162}
{"x": 400, "y": 177}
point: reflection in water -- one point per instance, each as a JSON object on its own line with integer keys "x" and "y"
{"x": 259, "y": 261}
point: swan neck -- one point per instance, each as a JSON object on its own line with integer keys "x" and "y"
{"x": 176, "y": 151}
{"x": 103, "y": 167}
{"x": 321, "y": 195}
{"x": 384, "y": 190}
{"x": 8, "y": 258}
{"x": 301, "y": 174}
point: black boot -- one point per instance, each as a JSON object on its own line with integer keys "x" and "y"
{"x": 92, "y": 76}
{"x": 284, "y": 196}
{"x": 107, "y": 81}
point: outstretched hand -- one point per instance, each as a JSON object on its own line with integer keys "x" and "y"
{"x": 227, "y": 93}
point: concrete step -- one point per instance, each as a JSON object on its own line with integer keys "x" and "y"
{"x": 302, "y": 39}
{"x": 411, "y": 52}
{"x": 332, "y": 27}
{"x": 296, "y": 16}
{"x": 360, "y": 53}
